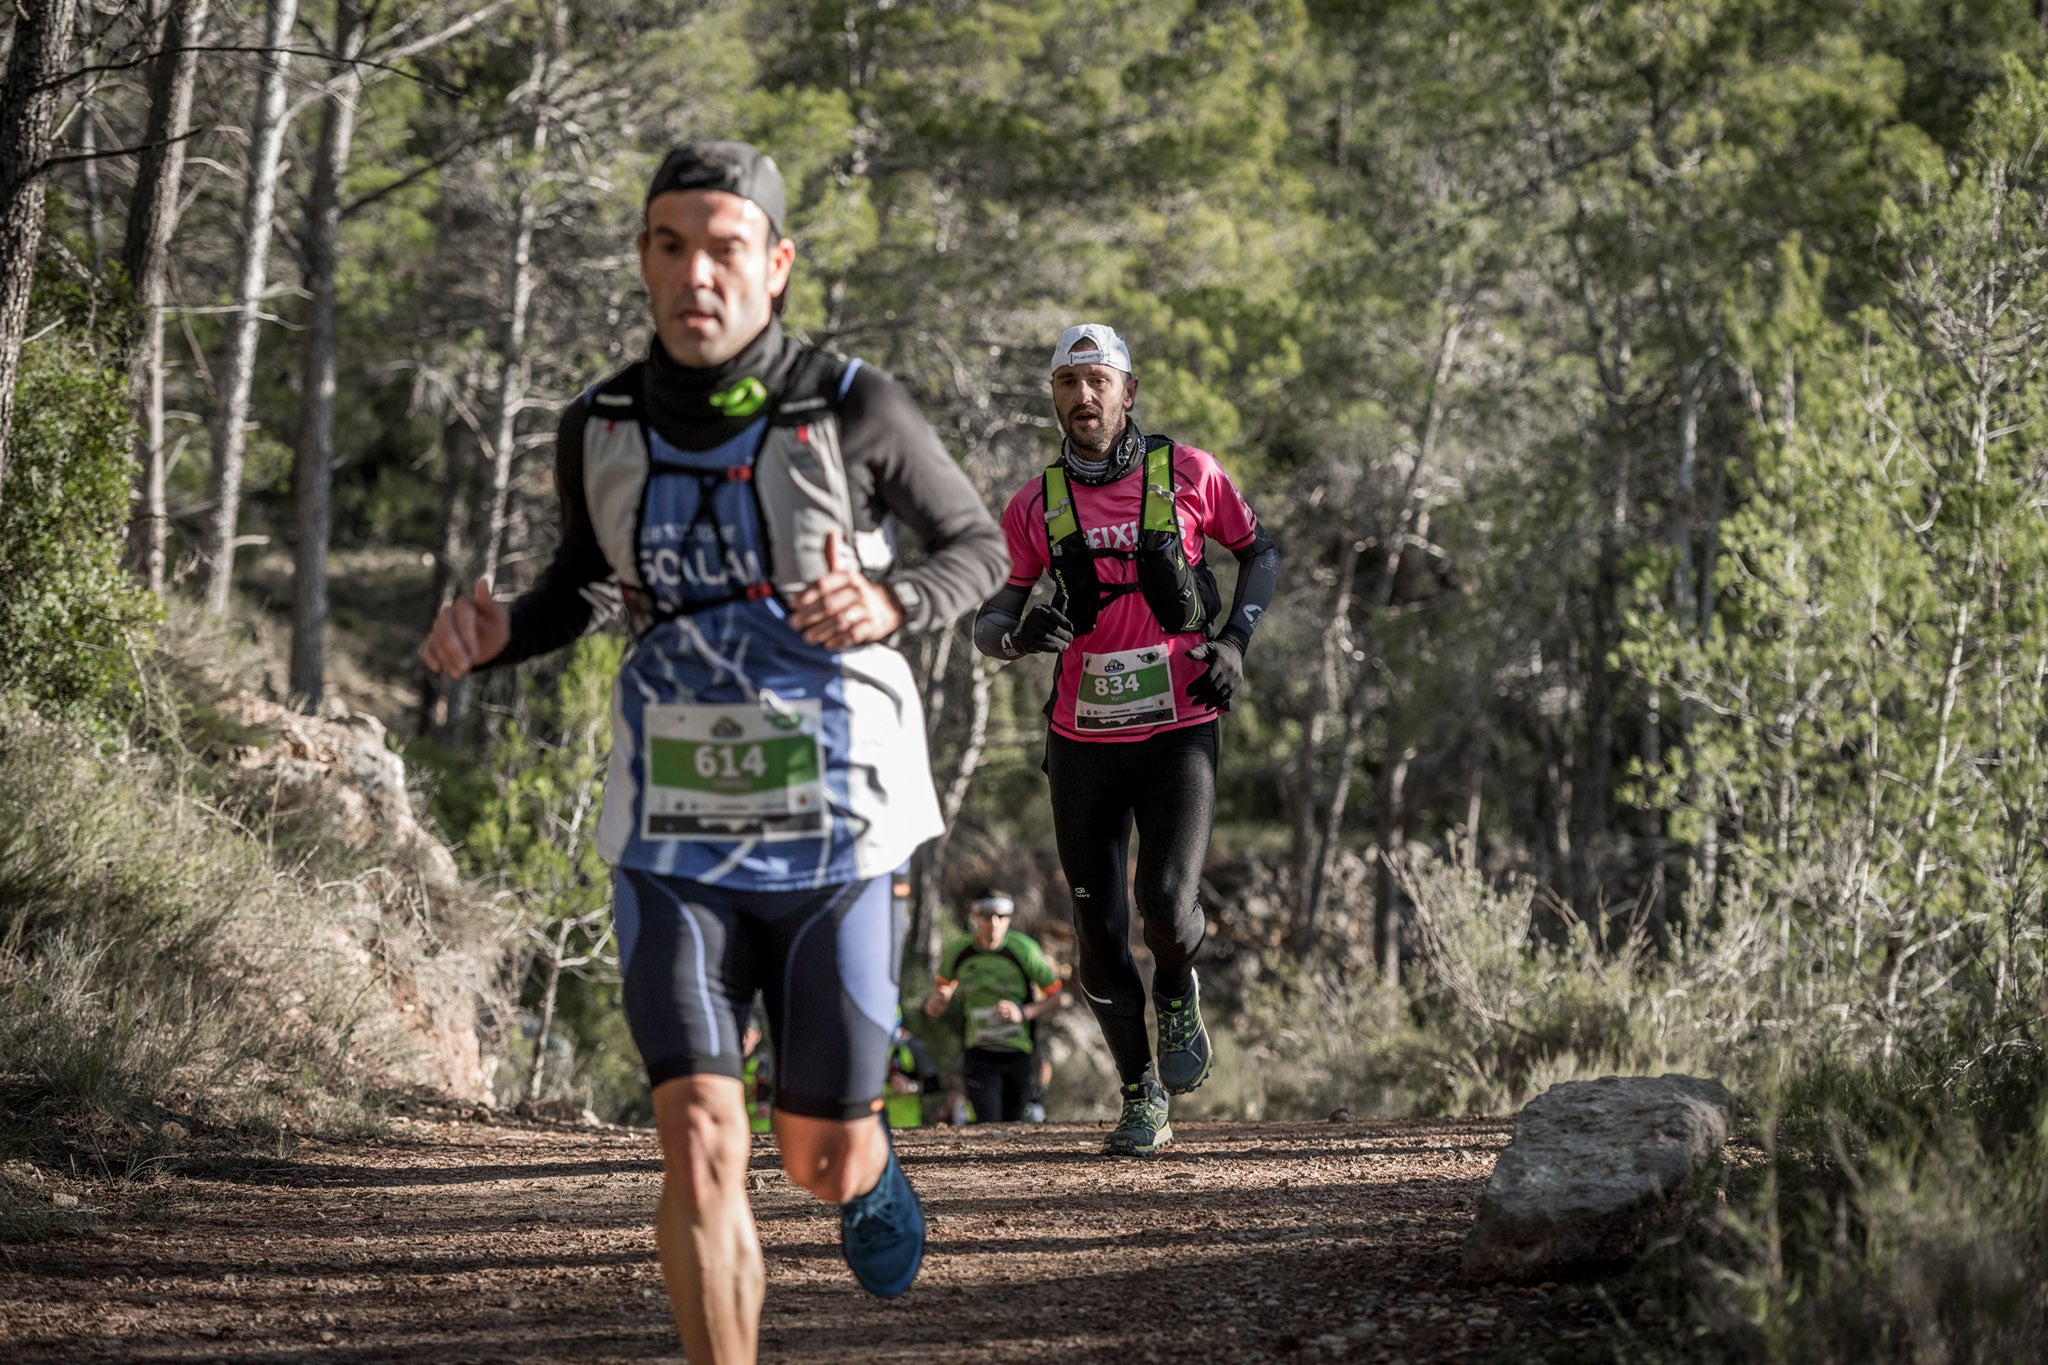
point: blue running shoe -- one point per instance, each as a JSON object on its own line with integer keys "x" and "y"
{"x": 882, "y": 1233}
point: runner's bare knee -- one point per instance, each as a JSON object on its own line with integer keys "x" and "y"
{"x": 833, "y": 1161}
{"x": 704, "y": 1138}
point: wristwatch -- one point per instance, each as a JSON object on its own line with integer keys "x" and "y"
{"x": 908, "y": 599}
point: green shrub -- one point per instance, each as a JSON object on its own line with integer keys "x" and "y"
{"x": 525, "y": 823}
{"x": 1488, "y": 1015}
{"x": 71, "y": 612}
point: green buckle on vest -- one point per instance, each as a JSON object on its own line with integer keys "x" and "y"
{"x": 743, "y": 399}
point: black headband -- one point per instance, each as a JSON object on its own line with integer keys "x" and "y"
{"x": 733, "y": 167}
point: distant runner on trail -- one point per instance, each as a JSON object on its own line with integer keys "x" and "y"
{"x": 757, "y": 1075}
{"x": 992, "y": 970}
{"x": 913, "y": 1079}
{"x": 768, "y": 767}
{"x": 1147, "y": 663}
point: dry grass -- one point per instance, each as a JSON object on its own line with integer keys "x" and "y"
{"x": 176, "y": 969}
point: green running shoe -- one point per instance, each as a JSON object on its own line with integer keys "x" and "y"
{"x": 1142, "y": 1129}
{"x": 1183, "y": 1042}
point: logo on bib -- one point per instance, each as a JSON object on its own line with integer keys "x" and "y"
{"x": 1150, "y": 656}
{"x": 726, "y": 728}
{"x": 1113, "y": 666}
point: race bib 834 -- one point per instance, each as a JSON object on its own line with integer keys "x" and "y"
{"x": 1130, "y": 687}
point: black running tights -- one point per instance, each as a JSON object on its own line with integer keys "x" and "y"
{"x": 1166, "y": 786}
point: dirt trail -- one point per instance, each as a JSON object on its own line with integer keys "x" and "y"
{"x": 451, "y": 1240}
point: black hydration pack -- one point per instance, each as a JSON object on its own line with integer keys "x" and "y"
{"x": 1183, "y": 596}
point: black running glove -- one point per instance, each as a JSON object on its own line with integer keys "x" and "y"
{"x": 1045, "y": 629}
{"x": 1224, "y": 677}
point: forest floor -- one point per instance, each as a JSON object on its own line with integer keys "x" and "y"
{"x": 467, "y": 1237}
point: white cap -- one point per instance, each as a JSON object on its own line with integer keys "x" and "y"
{"x": 1091, "y": 343}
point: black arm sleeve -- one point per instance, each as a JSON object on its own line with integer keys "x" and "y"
{"x": 572, "y": 595}
{"x": 998, "y": 617}
{"x": 918, "y": 482}
{"x": 1258, "y": 573}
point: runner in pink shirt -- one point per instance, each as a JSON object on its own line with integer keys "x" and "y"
{"x": 1148, "y": 662}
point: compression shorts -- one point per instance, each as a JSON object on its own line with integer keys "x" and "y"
{"x": 825, "y": 961}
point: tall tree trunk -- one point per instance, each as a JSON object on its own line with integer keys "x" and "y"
{"x": 1472, "y": 805}
{"x": 1340, "y": 799}
{"x": 1392, "y": 833}
{"x": 1329, "y": 705}
{"x": 519, "y": 295}
{"x": 1410, "y": 521}
{"x": 88, "y": 148}
{"x": 926, "y": 945}
{"x": 511, "y": 387}
{"x": 457, "y": 441}
{"x": 230, "y": 436}
{"x": 1593, "y": 784}
{"x": 28, "y": 104}
{"x": 556, "y": 949}
{"x": 313, "y": 470}
{"x": 152, "y": 217}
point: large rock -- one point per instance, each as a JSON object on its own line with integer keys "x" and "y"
{"x": 1595, "y": 1171}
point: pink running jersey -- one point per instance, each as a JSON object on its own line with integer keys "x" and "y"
{"x": 1110, "y": 684}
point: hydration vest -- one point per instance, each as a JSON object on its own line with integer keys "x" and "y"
{"x": 794, "y": 477}
{"x": 1183, "y": 596}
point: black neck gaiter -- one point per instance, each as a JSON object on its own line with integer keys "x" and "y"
{"x": 1125, "y": 454}
{"x": 697, "y": 407}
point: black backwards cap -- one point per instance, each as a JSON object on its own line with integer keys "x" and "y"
{"x": 733, "y": 167}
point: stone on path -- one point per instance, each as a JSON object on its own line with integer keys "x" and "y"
{"x": 1596, "y": 1169}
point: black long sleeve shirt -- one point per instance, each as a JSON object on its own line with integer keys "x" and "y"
{"x": 895, "y": 466}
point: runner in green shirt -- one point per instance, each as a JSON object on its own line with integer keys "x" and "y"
{"x": 993, "y": 970}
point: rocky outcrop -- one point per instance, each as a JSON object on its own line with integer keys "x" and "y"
{"x": 343, "y": 772}
{"x": 1597, "y": 1169}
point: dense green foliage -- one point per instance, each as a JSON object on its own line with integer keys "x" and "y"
{"x": 70, "y": 610}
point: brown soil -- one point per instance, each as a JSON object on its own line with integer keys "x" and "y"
{"x": 458, "y": 1240}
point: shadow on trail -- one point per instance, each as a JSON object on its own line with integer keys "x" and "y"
{"x": 1213, "y": 1297}
{"x": 311, "y": 1175}
{"x": 455, "y": 1340}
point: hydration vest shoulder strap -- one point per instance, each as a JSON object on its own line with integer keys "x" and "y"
{"x": 1061, "y": 521}
{"x": 816, "y": 385}
{"x": 1161, "y": 512}
{"x": 1163, "y": 571}
{"x": 617, "y": 399}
